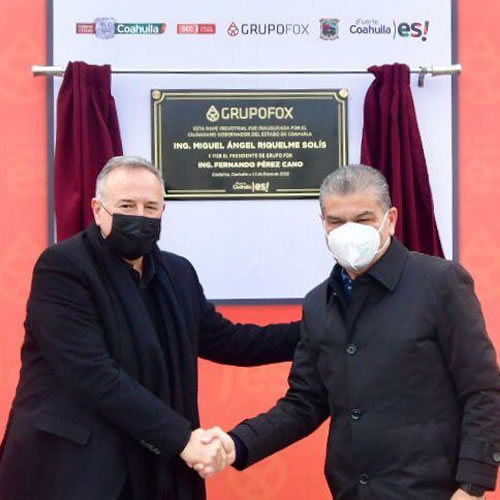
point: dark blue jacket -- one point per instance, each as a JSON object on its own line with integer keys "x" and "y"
{"x": 91, "y": 402}
{"x": 408, "y": 376}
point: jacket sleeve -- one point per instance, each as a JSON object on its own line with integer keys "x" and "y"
{"x": 300, "y": 412}
{"x": 243, "y": 344}
{"x": 63, "y": 319}
{"x": 471, "y": 359}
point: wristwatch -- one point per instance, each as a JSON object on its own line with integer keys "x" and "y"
{"x": 472, "y": 489}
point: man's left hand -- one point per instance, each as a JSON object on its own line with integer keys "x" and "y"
{"x": 209, "y": 436}
{"x": 462, "y": 495}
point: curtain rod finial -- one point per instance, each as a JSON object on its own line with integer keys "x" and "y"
{"x": 454, "y": 69}
{"x": 39, "y": 70}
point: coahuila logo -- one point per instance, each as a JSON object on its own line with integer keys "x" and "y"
{"x": 404, "y": 29}
{"x": 369, "y": 27}
{"x": 268, "y": 29}
{"x": 108, "y": 27}
{"x": 249, "y": 113}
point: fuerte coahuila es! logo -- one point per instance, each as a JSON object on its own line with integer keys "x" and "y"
{"x": 415, "y": 30}
{"x": 412, "y": 30}
{"x": 107, "y": 27}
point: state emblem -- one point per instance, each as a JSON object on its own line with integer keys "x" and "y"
{"x": 105, "y": 27}
{"x": 329, "y": 28}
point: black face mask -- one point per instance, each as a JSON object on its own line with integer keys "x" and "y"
{"x": 132, "y": 236}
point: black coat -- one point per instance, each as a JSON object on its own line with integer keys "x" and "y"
{"x": 408, "y": 375}
{"x": 92, "y": 402}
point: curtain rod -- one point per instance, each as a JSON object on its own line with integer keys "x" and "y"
{"x": 454, "y": 69}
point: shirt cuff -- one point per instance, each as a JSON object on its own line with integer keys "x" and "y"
{"x": 241, "y": 452}
{"x": 471, "y": 471}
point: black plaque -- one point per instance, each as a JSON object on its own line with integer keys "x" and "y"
{"x": 248, "y": 144}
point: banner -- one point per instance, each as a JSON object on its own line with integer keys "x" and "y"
{"x": 247, "y": 247}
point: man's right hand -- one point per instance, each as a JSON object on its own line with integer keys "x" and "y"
{"x": 212, "y": 435}
{"x": 209, "y": 456}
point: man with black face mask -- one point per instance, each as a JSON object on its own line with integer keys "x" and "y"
{"x": 106, "y": 406}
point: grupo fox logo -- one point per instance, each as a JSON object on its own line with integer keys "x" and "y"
{"x": 213, "y": 114}
{"x": 249, "y": 113}
{"x": 268, "y": 29}
{"x": 233, "y": 29}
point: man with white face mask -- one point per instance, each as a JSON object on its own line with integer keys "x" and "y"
{"x": 354, "y": 242}
{"x": 394, "y": 349}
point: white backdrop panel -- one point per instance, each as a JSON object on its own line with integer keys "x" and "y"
{"x": 265, "y": 249}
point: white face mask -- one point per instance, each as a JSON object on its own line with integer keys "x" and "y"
{"x": 354, "y": 245}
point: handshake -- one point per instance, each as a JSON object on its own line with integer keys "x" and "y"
{"x": 209, "y": 451}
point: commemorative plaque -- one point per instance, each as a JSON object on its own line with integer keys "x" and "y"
{"x": 248, "y": 144}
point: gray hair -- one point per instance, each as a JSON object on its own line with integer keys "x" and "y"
{"x": 130, "y": 162}
{"x": 354, "y": 179}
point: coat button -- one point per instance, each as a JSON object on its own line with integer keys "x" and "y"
{"x": 363, "y": 479}
{"x": 496, "y": 457}
{"x": 356, "y": 414}
{"x": 351, "y": 349}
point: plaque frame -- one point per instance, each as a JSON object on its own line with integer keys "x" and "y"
{"x": 160, "y": 96}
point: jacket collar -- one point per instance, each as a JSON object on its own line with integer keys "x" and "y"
{"x": 149, "y": 269}
{"x": 388, "y": 269}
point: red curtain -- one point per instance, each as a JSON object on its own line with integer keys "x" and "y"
{"x": 88, "y": 135}
{"x": 391, "y": 143}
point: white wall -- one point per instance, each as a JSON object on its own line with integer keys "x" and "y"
{"x": 265, "y": 249}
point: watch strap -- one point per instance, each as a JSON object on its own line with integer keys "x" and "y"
{"x": 472, "y": 489}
